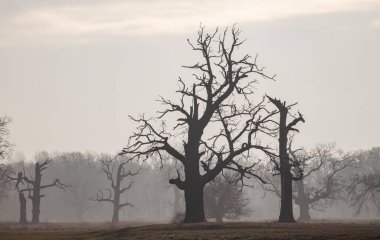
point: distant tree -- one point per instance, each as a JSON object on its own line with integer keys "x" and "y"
{"x": 217, "y": 120}
{"x": 284, "y": 164}
{"x": 5, "y": 146}
{"x": 5, "y": 150}
{"x": 81, "y": 171}
{"x": 116, "y": 179}
{"x": 224, "y": 198}
{"x": 5, "y": 171}
{"x": 364, "y": 188}
{"x": 35, "y": 186}
{"x": 323, "y": 179}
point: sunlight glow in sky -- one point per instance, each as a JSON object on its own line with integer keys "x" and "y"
{"x": 91, "y": 19}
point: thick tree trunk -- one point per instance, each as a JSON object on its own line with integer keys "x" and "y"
{"x": 194, "y": 204}
{"x": 22, "y": 200}
{"x": 286, "y": 211}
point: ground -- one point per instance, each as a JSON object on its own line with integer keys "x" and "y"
{"x": 244, "y": 230}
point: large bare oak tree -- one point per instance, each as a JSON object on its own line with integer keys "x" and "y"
{"x": 218, "y": 124}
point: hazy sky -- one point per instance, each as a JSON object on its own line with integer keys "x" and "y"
{"x": 72, "y": 71}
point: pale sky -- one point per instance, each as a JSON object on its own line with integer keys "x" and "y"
{"x": 72, "y": 71}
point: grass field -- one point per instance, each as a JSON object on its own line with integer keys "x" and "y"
{"x": 247, "y": 230}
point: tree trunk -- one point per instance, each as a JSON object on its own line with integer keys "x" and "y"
{"x": 22, "y": 200}
{"x": 115, "y": 215}
{"x": 302, "y": 201}
{"x": 304, "y": 211}
{"x": 36, "y": 199}
{"x": 286, "y": 211}
{"x": 194, "y": 204}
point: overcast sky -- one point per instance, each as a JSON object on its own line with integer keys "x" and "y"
{"x": 72, "y": 71}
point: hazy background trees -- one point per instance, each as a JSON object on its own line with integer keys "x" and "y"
{"x": 364, "y": 185}
{"x": 224, "y": 198}
{"x": 154, "y": 198}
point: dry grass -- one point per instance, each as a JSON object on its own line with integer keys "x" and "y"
{"x": 256, "y": 230}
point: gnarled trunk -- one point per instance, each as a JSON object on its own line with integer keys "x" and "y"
{"x": 22, "y": 200}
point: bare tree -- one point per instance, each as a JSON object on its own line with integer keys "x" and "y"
{"x": 217, "y": 121}
{"x": 323, "y": 178}
{"x": 5, "y": 146}
{"x": 5, "y": 171}
{"x": 35, "y": 186}
{"x": 285, "y": 163}
{"x": 5, "y": 150}
{"x": 116, "y": 179}
{"x": 224, "y": 198}
{"x": 364, "y": 189}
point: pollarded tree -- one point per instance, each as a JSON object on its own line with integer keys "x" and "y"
{"x": 284, "y": 164}
{"x": 224, "y": 198}
{"x": 217, "y": 123}
{"x": 116, "y": 179}
{"x": 35, "y": 186}
{"x": 323, "y": 177}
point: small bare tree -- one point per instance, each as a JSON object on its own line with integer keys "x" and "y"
{"x": 285, "y": 164}
{"x": 35, "y": 186}
{"x": 224, "y": 198}
{"x": 218, "y": 123}
{"x": 116, "y": 179}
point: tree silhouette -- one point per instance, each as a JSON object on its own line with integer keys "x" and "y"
{"x": 35, "y": 186}
{"x": 116, "y": 179}
{"x": 285, "y": 164}
{"x": 217, "y": 121}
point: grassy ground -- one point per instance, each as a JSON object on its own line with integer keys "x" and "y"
{"x": 256, "y": 230}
